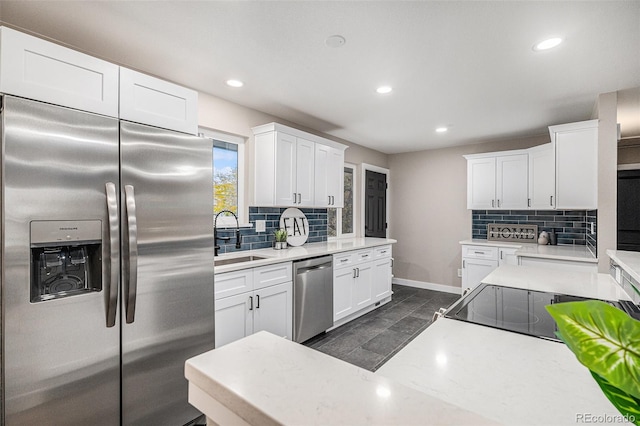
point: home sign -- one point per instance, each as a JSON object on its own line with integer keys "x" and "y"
{"x": 509, "y": 232}
{"x": 297, "y": 226}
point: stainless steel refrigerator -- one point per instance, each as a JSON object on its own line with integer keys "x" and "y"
{"x": 107, "y": 267}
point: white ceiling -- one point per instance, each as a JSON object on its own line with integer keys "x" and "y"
{"x": 467, "y": 65}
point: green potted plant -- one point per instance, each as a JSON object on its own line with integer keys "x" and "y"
{"x": 607, "y": 341}
{"x": 281, "y": 239}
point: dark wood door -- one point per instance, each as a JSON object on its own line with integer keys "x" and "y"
{"x": 628, "y": 216}
{"x": 375, "y": 212}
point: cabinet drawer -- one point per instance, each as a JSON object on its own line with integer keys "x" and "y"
{"x": 364, "y": 256}
{"x": 480, "y": 252}
{"x": 382, "y": 252}
{"x": 343, "y": 260}
{"x": 232, "y": 283}
{"x": 272, "y": 274}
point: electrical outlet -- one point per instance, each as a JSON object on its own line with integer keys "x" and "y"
{"x": 459, "y": 273}
{"x": 261, "y": 226}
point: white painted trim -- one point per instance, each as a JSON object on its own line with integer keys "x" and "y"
{"x": 360, "y": 313}
{"x": 363, "y": 182}
{"x": 633, "y": 166}
{"x": 428, "y": 286}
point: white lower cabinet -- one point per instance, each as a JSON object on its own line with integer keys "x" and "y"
{"x": 559, "y": 264}
{"x": 253, "y": 300}
{"x": 507, "y": 256}
{"x": 475, "y": 270}
{"x": 360, "y": 279}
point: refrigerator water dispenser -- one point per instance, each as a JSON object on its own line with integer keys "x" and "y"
{"x": 66, "y": 258}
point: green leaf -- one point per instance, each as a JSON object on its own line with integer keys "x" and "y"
{"x": 604, "y": 339}
{"x": 626, "y": 404}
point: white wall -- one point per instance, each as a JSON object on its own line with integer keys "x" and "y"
{"x": 429, "y": 213}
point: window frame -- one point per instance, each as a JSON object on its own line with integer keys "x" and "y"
{"x": 227, "y": 221}
{"x": 339, "y": 210}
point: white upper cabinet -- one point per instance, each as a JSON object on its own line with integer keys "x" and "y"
{"x": 497, "y": 181}
{"x": 149, "y": 100}
{"x": 511, "y": 181}
{"x": 296, "y": 169}
{"x": 329, "y": 176}
{"x": 38, "y": 69}
{"x": 481, "y": 183}
{"x": 542, "y": 179}
{"x": 576, "y": 151}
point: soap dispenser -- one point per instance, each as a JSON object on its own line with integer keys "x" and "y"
{"x": 553, "y": 238}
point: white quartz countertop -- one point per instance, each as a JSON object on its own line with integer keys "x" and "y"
{"x": 575, "y": 253}
{"x": 272, "y": 256}
{"x": 628, "y": 260}
{"x": 504, "y": 376}
{"x": 507, "y": 377}
{"x": 266, "y": 380}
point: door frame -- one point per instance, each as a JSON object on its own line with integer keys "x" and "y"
{"x": 363, "y": 202}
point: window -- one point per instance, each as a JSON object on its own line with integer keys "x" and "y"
{"x": 341, "y": 221}
{"x": 228, "y": 176}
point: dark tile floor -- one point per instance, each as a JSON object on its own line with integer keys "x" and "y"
{"x": 372, "y": 339}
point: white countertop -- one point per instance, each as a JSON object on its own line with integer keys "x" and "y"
{"x": 267, "y": 380}
{"x": 575, "y": 253}
{"x": 508, "y": 377}
{"x": 295, "y": 253}
{"x": 628, "y": 260}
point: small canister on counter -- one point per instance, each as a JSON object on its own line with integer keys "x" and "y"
{"x": 553, "y": 237}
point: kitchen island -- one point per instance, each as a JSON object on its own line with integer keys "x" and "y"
{"x": 460, "y": 373}
{"x": 505, "y": 376}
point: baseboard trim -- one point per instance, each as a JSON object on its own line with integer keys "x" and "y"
{"x": 428, "y": 286}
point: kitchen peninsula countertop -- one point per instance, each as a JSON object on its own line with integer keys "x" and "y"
{"x": 628, "y": 260}
{"x": 504, "y": 376}
{"x": 576, "y": 253}
{"x": 264, "y": 379}
{"x": 272, "y": 256}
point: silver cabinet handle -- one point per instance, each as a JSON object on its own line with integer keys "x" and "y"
{"x": 333, "y": 200}
{"x": 463, "y": 264}
{"x": 354, "y": 273}
{"x": 358, "y": 272}
{"x": 478, "y": 252}
{"x": 131, "y": 259}
{"x": 299, "y": 198}
{"x": 551, "y": 200}
{"x": 500, "y": 255}
{"x": 110, "y": 274}
{"x": 528, "y": 202}
{"x": 498, "y": 202}
{"x": 392, "y": 262}
{"x": 258, "y": 301}
{"x": 493, "y": 203}
{"x": 329, "y": 197}
{"x": 295, "y": 198}
{"x": 251, "y": 303}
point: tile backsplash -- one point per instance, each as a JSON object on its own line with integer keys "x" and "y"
{"x": 252, "y": 240}
{"x": 572, "y": 226}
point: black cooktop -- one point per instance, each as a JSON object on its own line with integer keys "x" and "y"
{"x": 518, "y": 310}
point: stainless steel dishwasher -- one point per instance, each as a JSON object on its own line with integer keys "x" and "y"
{"x": 312, "y": 297}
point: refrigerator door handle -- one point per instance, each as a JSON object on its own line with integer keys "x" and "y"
{"x": 131, "y": 273}
{"x": 111, "y": 272}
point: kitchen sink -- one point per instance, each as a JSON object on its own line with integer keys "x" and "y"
{"x": 230, "y": 261}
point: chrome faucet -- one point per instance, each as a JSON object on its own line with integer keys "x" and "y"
{"x": 216, "y": 247}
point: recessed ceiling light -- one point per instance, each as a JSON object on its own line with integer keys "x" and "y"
{"x": 235, "y": 83}
{"x": 384, "y": 89}
{"x": 335, "y": 41}
{"x": 441, "y": 129}
{"x": 547, "y": 44}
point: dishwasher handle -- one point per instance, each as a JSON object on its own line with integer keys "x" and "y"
{"x": 307, "y": 265}
{"x": 301, "y": 271}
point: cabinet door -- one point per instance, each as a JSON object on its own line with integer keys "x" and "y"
{"x": 285, "y": 170}
{"x": 343, "y": 292}
{"x": 512, "y": 181}
{"x": 273, "y": 310}
{"x": 475, "y": 270}
{"x": 305, "y": 153}
{"x": 381, "y": 277}
{"x": 577, "y": 168}
{"x": 37, "y": 69}
{"x": 542, "y": 177}
{"x": 149, "y": 100}
{"x": 363, "y": 286}
{"x": 234, "y": 318}
{"x": 321, "y": 178}
{"x": 481, "y": 183}
{"x": 335, "y": 177}
{"x": 507, "y": 256}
